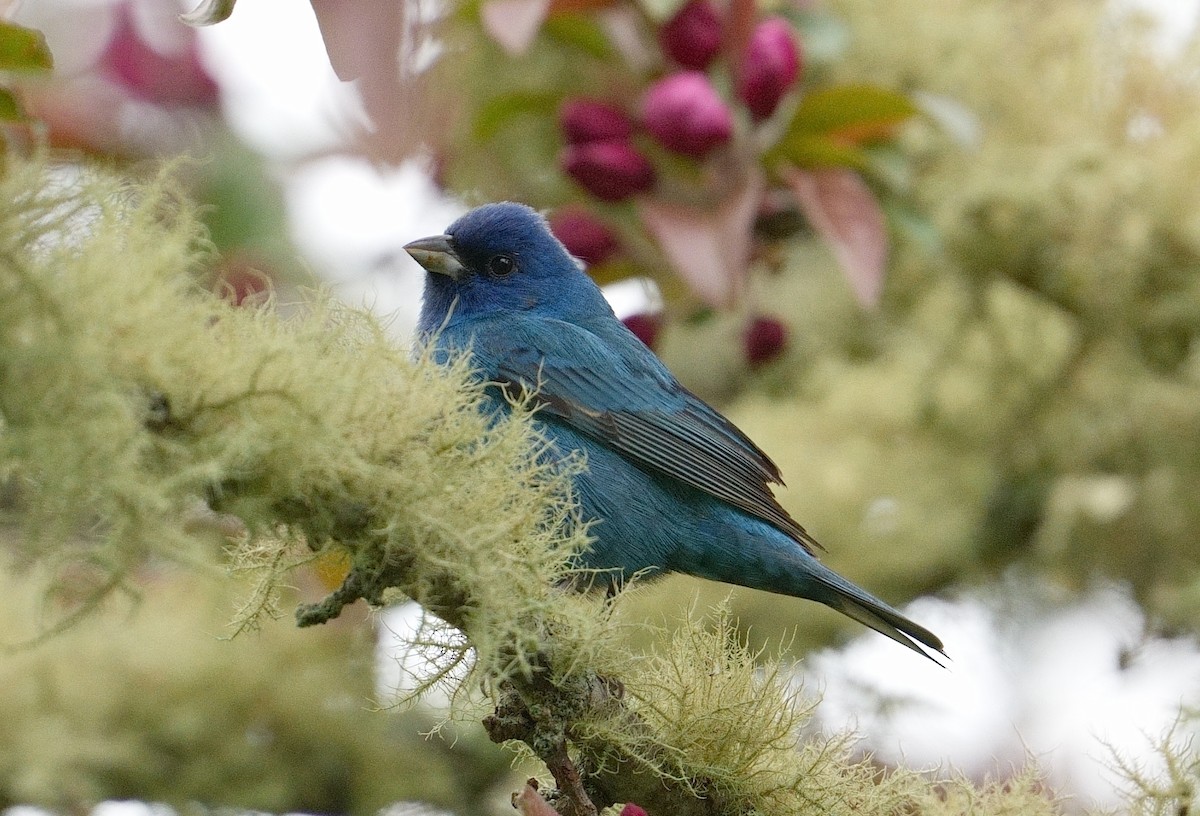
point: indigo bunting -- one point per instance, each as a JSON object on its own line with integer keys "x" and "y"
{"x": 672, "y": 485}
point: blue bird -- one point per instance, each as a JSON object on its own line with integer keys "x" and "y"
{"x": 672, "y": 485}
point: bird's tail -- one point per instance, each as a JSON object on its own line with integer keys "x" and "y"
{"x": 838, "y": 593}
{"x": 884, "y": 619}
{"x": 775, "y": 563}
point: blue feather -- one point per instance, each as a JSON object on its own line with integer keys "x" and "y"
{"x": 672, "y": 485}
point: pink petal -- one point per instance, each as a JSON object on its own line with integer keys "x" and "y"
{"x": 365, "y": 42}
{"x": 846, "y": 213}
{"x": 709, "y": 248}
{"x": 360, "y": 37}
{"x": 514, "y": 24}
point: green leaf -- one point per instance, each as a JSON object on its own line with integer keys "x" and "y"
{"x": 10, "y": 108}
{"x": 806, "y": 150}
{"x": 851, "y": 112}
{"x": 23, "y": 49}
{"x": 579, "y": 31}
{"x": 613, "y": 270}
{"x": 500, "y": 110}
{"x": 208, "y": 12}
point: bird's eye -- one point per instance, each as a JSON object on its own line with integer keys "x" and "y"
{"x": 502, "y": 265}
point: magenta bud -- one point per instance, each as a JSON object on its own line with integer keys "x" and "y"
{"x": 584, "y": 235}
{"x": 769, "y": 67}
{"x": 685, "y": 114}
{"x": 765, "y": 339}
{"x": 631, "y": 809}
{"x": 611, "y": 170}
{"x": 693, "y": 36}
{"x": 645, "y": 326}
{"x": 590, "y": 120}
{"x": 244, "y": 278}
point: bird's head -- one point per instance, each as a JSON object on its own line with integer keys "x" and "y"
{"x": 501, "y": 258}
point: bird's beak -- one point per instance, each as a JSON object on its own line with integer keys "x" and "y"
{"x": 437, "y": 255}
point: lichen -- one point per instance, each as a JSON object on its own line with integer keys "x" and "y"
{"x": 143, "y": 416}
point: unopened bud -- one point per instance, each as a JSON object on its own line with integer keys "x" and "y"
{"x": 685, "y": 114}
{"x": 590, "y": 120}
{"x": 769, "y": 67}
{"x": 765, "y": 339}
{"x": 645, "y": 326}
{"x": 610, "y": 170}
{"x": 584, "y": 235}
{"x": 693, "y": 36}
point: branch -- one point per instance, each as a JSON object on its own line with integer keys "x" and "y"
{"x": 321, "y": 436}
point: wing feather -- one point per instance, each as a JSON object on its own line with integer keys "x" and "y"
{"x": 624, "y": 397}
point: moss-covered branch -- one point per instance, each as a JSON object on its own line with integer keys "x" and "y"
{"x": 145, "y": 420}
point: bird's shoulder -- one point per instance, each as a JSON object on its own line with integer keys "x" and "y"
{"x": 597, "y": 377}
{"x": 606, "y": 364}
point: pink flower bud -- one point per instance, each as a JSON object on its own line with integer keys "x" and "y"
{"x": 693, "y": 36}
{"x": 164, "y": 78}
{"x": 769, "y": 67}
{"x": 611, "y": 170}
{"x": 646, "y": 326}
{"x": 243, "y": 278}
{"x": 685, "y": 114}
{"x": 590, "y": 120}
{"x": 584, "y": 235}
{"x": 765, "y": 339}
{"x": 631, "y": 809}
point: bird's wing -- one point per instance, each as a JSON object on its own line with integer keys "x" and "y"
{"x": 617, "y": 392}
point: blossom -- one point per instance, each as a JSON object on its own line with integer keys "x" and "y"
{"x": 584, "y": 235}
{"x": 611, "y": 170}
{"x": 693, "y": 36}
{"x": 765, "y": 339}
{"x": 769, "y": 68}
{"x": 590, "y": 120}
{"x": 685, "y": 114}
{"x": 165, "y": 74}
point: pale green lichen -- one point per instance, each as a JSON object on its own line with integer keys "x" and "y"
{"x": 1174, "y": 788}
{"x": 728, "y": 725}
{"x": 135, "y": 406}
{"x": 156, "y": 703}
{"x": 712, "y": 717}
{"x": 142, "y": 415}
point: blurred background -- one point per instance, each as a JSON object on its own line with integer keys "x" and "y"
{"x": 939, "y": 258}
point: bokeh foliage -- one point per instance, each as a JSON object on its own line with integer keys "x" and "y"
{"x": 151, "y": 700}
{"x": 1030, "y": 392}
